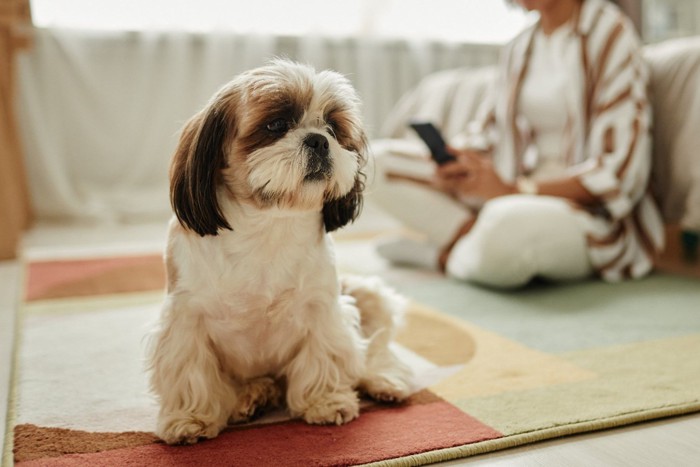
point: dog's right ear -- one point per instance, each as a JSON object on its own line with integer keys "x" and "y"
{"x": 195, "y": 171}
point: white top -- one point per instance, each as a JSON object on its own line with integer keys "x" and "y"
{"x": 608, "y": 150}
{"x": 543, "y": 101}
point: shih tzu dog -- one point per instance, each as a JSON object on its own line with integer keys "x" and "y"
{"x": 255, "y": 314}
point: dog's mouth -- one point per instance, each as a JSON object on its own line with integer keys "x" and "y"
{"x": 318, "y": 162}
{"x": 318, "y": 168}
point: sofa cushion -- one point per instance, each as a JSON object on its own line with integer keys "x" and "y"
{"x": 675, "y": 94}
{"x": 449, "y": 99}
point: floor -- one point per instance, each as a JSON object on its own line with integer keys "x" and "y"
{"x": 672, "y": 442}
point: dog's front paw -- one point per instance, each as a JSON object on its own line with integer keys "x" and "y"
{"x": 334, "y": 408}
{"x": 385, "y": 389}
{"x": 186, "y": 429}
{"x": 256, "y": 394}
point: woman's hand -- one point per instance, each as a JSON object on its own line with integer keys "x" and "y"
{"x": 473, "y": 175}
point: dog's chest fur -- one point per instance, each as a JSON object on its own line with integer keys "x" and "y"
{"x": 260, "y": 288}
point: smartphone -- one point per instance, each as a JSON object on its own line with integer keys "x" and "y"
{"x": 434, "y": 140}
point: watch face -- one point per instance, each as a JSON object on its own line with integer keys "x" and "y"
{"x": 526, "y": 186}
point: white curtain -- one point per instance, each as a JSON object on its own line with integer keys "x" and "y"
{"x": 100, "y": 112}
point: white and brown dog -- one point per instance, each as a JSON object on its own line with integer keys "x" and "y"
{"x": 255, "y": 313}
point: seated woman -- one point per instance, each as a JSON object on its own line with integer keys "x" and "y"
{"x": 553, "y": 180}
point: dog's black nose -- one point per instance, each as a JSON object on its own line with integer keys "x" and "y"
{"x": 318, "y": 144}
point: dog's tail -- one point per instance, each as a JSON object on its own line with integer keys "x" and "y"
{"x": 381, "y": 308}
{"x": 382, "y": 312}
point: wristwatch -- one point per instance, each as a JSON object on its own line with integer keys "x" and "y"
{"x": 526, "y": 186}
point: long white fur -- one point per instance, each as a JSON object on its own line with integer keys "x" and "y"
{"x": 257, "y": 316}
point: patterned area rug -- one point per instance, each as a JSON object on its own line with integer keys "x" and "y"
{"x": 511, "y": 371}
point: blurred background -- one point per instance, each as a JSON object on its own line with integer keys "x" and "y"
{"x": 94, "y": 93}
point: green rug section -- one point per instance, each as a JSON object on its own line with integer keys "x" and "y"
{"x": 631, "y": 379}
{"x": 568, "y": 317}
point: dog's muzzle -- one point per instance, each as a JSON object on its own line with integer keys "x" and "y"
{"x": 318, "y": 165}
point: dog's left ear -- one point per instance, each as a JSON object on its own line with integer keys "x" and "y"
{"x": 339, "y": 212}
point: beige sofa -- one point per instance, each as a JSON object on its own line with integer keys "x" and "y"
{"x": 451, "y": 98}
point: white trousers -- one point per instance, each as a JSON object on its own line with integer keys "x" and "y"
{"x": 514, "y": 238}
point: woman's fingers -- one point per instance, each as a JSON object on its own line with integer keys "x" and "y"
{"x": 452, "y": 169}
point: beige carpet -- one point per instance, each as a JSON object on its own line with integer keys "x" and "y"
{"x": 80, "y": 396}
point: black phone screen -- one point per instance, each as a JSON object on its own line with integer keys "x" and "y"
{"x": 434, "y": 140}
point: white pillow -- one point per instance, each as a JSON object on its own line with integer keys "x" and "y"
{"x": 449, "y": 99}
{"x": 675, "y": 95}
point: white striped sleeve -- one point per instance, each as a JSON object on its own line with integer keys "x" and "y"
{"x": 617, "y": 166}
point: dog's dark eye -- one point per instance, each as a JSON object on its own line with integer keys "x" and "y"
{"x": 333, "y": 127}
{"x": 279, "y": 126}
{"x": 332, "y": 124}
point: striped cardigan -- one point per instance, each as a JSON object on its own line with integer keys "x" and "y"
{"x": 607, "y": 135}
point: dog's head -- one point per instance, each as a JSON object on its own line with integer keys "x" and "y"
{"x": 279, "y": 136}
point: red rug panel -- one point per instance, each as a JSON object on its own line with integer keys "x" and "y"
{"x": 374, "y": 436}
